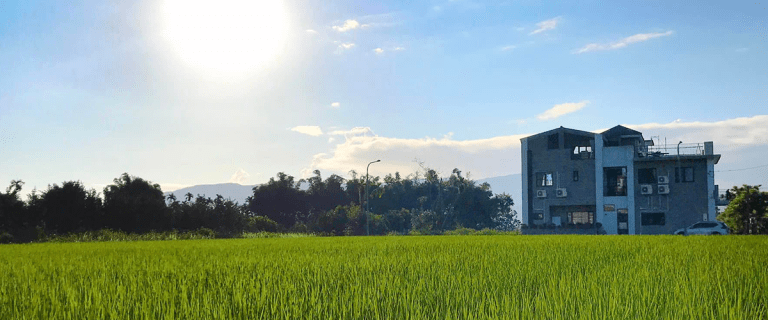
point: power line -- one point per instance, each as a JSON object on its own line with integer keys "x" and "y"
{"x": 765, "y": 165}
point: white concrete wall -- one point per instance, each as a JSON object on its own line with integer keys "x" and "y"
{"x": 711, "y": 212}
{"x": 622, "y": 156}
{"x": 599, "y": 213}
{"x": 524, "y": 161}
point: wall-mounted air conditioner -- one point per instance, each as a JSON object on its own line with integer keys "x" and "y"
{"x": 663, "y": 189}
{"x": 541, "y": 193}
{"x": 646, "y": 189}
{"x": 663, "y": 179}
{"x": 561, "y": 193}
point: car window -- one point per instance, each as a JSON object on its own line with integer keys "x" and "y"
{"x": 696, "y": 226}
{"x": 710, "y": 225}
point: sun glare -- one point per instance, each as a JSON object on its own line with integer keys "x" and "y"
{"x": 225, "y": 36}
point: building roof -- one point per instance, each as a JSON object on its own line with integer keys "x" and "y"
{"x": 562, "y": 129}
{"x": 621, "y": 132}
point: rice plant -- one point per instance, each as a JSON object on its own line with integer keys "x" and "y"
{"x": 415, "y": 277}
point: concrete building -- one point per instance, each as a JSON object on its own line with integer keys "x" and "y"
{"x": 617, "y": 178}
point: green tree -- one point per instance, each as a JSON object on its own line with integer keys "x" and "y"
{"x": 133, "y": 204}
{"x": 69, "y": 208}
{"x": 12, "y": 209}
{"x": 281, "y": 200}
{"x": 747, "y": 212}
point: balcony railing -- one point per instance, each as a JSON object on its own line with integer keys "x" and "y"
{"x": 672, "y": 149}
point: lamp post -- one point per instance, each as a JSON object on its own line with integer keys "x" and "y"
{"x": 367, "y": 230}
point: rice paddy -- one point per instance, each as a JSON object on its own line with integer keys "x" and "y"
{"x": 408, "y": 277}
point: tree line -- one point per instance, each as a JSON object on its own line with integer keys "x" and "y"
{"x": 421, "y": 203}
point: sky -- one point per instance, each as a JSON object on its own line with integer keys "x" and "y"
{"x": 199, "y": 92}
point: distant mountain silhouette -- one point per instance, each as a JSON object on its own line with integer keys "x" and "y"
{"x": 233, "y": 191}
{"x": 509, "y": 184}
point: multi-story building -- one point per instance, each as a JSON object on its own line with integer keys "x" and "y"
{"x": 618, "y": 179}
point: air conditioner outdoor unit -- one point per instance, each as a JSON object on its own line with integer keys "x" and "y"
{"x": 646, "y": 189}
{"x": 663, "y": 179}
{"x": 663, "y": 189}
{"x": 541, "y": 193}
{"x": 561, "y": 193}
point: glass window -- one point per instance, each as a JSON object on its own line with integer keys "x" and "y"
{"x": 653, "y": 218}
{"x": 684, "y": 174}
{"x": 646, "y": 176}
{"x": 575, "y": 175}
{"x": 544, "y": 179}
{"x": 581, "y": 217}
{"x": 615, "y": 181}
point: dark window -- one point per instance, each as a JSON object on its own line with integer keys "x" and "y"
{"x": 646, "y": 176}
{"x": 653, "y": 218}
{"x": 615, "y": 181}
{"x": 575, "y": 175}
{"x": 687, "y": 174}
{"x": 553, "y": 141}
{"x": 544, "y": 179}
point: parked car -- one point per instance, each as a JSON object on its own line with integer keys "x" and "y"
{"x": 704, "y": 227}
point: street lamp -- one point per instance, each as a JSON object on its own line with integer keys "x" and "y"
{"x": 367, "y": 230}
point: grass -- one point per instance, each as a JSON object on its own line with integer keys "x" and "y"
{"x": 416, "y": 277}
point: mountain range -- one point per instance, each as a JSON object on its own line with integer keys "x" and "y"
{"x": 509, "y": 184}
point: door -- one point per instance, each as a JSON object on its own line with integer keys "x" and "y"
{"x": 622, "y": 222}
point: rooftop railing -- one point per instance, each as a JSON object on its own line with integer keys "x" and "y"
{"x": 672, "y": 149}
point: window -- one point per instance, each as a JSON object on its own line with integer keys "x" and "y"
{"x": 609, "y": 207}
{"x": 575, "y": 175}
{"x": 615, "y": 181}
{"x": 544, "y": 179}
{"x": 653, "y": 219}
{"x": 553, "y": 141}
{"x": 580, "y": 217}
{"x": 687, "y": 174}
{"x": 646, "y": 176}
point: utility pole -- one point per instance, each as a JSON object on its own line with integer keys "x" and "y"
{"x": 367, "y": 206}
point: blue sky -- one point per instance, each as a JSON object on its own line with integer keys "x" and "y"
{"x": 89, "y": 90}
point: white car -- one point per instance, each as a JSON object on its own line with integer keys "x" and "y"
{"x": 704, "y": 227}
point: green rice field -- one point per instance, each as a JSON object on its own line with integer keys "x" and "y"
{"x": 405, "y": 277}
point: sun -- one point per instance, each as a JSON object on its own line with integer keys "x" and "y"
{"x": 225, "y": 36}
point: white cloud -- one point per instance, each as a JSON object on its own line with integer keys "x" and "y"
{"x": 362, "y": 146}
{"x": 240, "y": 177}
{"x": 640, "y": 37}
{"x": 378, "y": 50}
{"x": 507, "y": 48}
{"x": 546, "y": 25}
{"x": 346, "y": 46}
{"x": 729, "y": 134}
{"x": 308, "y": 130}
{"x": 335, "y": 105}
{"x": 348, "y": 25}
{"x": 399, "y": 48}
{"x": 562, "y": 109}
{"x": 310, "y": 31}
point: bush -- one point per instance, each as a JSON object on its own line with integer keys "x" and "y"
{"x": 261, "y": 223}
{"x": 6, "y": 237}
